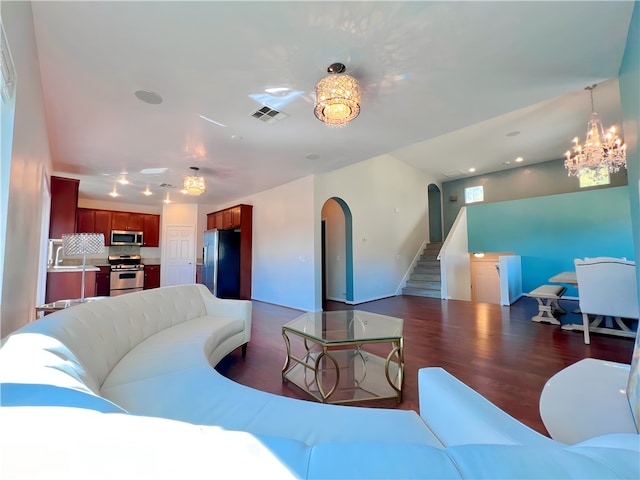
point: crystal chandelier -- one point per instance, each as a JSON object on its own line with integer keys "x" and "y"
{"x": 193, "y": 184}
{"x": 600, "y": 149}
{"x": 337, "y": 97}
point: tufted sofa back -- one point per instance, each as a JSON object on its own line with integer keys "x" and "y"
{"x": 86, "y": 341}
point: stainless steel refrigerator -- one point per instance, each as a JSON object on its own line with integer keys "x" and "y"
{"x": 221, "y": 262}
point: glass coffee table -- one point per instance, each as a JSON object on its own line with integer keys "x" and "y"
{"x": 345, "y": 356}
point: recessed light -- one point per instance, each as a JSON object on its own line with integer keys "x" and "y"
{"x": 519, "y": 159}
{"x": 506, "y": 163}
{"x": 472, "y": 169}
{"x": 167, "y": 200}
{"x": 147, "y": 192}
{"x": 114, "y": 193}
{"x": 148, "y": 97}
{"x": 513, "y": 133}
{"x": 312, "y": 156}
{"x": 123, "y": 181}
{"x": 236, "y": 138}
{"x": 153, "y": 171}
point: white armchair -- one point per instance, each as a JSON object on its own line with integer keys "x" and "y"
{"x": 587, "y": 399}
{"x": 607, "y": 287}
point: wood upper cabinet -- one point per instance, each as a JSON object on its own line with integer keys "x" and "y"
{"x": 64, "y": 202}
{"x": 89, "y": 220}
{"x": 85, "y": 220}
{"x": 228, "y": 219}
{"x": 215, "y": 220}
{"x": 127, "y": 221}
{"x": 151, "y": 230}
{"x": 103, "y": 224}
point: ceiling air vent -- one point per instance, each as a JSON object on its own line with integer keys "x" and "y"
{"x": 267, "y": 114}
{"x": 166, "y": 185}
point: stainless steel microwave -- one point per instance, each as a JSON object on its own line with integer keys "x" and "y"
{"x": 125, "y": 237}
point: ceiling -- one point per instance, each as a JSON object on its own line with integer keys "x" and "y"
{"x": 443, "y": 84}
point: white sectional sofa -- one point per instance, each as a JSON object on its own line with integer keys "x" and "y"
{"x": 125, "y": 388}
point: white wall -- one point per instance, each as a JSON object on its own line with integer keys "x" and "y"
{"x": 118, "y": 207}
{"x": 455, "y": 266}
{"x": 30, "y": 163}
{"x": 388, "y": 203}
{"x": 284, "y": 244}
{"x": 203, "y": 210}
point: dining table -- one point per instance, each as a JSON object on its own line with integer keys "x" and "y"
{"x": 565, "y": 277}
{"x": 570, "y": 278}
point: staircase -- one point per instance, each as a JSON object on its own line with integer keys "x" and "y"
{"x": 424, "y": 281}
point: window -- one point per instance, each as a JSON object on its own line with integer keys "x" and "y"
{"x": 590, "y": 177}
{"x": 474, "y": 194}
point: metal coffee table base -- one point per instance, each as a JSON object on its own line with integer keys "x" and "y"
{"x": 344, "y": 372}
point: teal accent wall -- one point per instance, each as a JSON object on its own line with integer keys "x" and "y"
{"x": 629, "y": 78}
{"x": 348, "y": 240}
{"x": 536, "y": 180}
{"x": 550, "y": 232}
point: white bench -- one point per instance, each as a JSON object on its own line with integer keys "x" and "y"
{"x": 547, "y": 297}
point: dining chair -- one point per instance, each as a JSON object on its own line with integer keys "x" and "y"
{"x": 607, "y": 287}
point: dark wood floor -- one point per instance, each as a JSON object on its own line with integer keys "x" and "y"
{"x": 495, "y": 350}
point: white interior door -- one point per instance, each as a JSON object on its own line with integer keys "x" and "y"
{"x": 179, "y": 263}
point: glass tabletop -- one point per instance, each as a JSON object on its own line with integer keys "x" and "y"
{"x": 346, "y": 326}
{"x": 62, "y": 304}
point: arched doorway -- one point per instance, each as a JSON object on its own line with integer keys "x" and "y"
{"x": 337, "y": 251}
{"x": 434, "y": 197}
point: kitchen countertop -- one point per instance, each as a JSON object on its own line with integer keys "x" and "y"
{"x": 72, "y": 268}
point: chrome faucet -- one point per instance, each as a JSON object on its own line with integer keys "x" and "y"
{"x": 57, "y": 262}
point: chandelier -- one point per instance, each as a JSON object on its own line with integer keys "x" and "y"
{"x": 600, "y": 150}
{"x": 337, "y": 97}
{"x": 193, "y": 184}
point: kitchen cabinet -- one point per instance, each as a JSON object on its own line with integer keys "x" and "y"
{"x": 227, "y": 219}
{"x": 234, "y": 218}
{"x": 89, "y": 220}
{"x": 127, "y": 221}
{"x": 151, "y": 230}
{"x": 68, "y": 285}
{"x": 215, "y": 220}
{"x": 151, "y": 276}
{"x": 64, "y": 202}
{"x": 85, "y": 220}
{"x": 102, "y": 281}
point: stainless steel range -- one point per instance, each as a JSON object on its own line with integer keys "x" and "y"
{"x": 127, "y": 274}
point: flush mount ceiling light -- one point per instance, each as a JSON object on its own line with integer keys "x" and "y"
{"x": 600, "y": 149}
{"x": 193, "y": 184}
{"x": 337, "y": 97}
